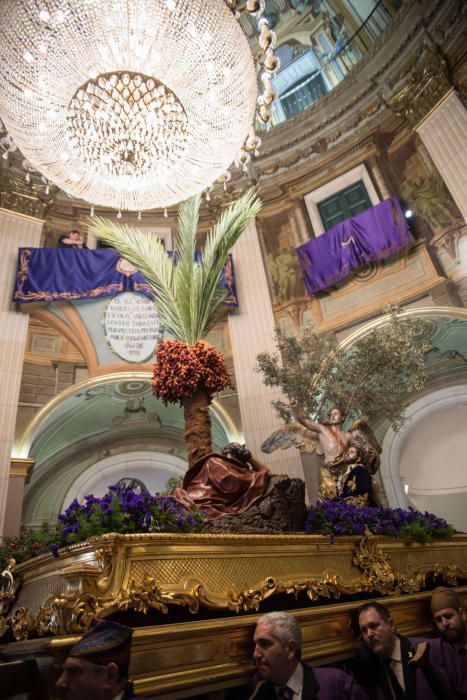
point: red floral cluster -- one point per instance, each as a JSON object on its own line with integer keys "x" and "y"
{"x": 183, "y": 369}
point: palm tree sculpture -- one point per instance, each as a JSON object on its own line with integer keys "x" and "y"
{"x": 189, "y": 296}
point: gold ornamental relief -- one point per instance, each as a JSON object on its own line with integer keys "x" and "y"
{"x": 377, "y": 571}
{"x": 108, "y": 580}
{"x": 424, "y": 89}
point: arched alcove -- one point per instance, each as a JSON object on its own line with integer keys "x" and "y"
{"x": 154, "y": 469}
{"x": 424, "y": 464}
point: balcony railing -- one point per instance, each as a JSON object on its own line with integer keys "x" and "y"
{"x": 335, "y": 66}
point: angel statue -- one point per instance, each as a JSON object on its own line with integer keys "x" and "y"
{"x": 330, "y": 441}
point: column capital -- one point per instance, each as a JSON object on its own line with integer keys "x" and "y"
{"x": 21, "y": 467}
{"x": 426, "y": 87}
{"x": 23, "y": 197}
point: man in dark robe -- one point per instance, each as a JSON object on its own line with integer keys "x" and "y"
{"x": 280, "y": 672}
{"x": 449, "y": 618}
{"x": 96, "y": 667}
{"x": 223, "y": 484}
{"x": 392, "y": 667}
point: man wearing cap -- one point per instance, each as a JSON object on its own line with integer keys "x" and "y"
{"x": 97, "y": 666}
{"x": 392, "y": 667}
{"x": 449, "y": 618}
{"x": 280, "y": 672}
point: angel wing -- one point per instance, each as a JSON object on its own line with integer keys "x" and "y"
{"x": 362, "y": 436}
{"x": 292, "y": 435}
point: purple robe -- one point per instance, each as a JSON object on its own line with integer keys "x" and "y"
{"x": 318, "y": 684}
{"x": 439, "y": 674}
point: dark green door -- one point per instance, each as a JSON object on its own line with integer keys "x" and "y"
{"x": 344, "y": 204}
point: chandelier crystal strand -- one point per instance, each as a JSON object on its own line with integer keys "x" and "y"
{"x": 267, "y": 59}
{"x": 130, "y": 105}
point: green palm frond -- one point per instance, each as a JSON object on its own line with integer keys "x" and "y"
{"x": 185, "y": 250}
{"x": 219, "y": 243}
{"x": 146, "y": 252}
{"x": 187, "y": 291}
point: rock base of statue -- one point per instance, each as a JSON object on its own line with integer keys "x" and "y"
{"x": 281, "y": 509}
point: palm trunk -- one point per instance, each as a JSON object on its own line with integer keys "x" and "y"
{"x": 197, "y": 426}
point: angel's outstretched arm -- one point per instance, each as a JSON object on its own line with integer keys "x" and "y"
{"x": 306, "y": 422}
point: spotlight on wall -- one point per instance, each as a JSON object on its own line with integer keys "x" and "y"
{"x": 406, "y": 489}
{"x": 408, "y": 213}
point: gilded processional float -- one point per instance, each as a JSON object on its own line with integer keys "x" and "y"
{"x": 190, "y": 570}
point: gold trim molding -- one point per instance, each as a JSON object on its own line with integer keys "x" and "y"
{"x": 225, "y": 573}
{"x": 424, "y": 90}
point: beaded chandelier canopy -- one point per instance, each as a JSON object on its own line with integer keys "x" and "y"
{"x": 129, "y": 104}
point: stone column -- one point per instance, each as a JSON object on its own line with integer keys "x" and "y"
{"x": 15, "y": 230}
{"x": 428, "y": 103}
{"x": 20, "y": 471}
{"x": 252, "y": 331}
{"x": 444, "y": 134}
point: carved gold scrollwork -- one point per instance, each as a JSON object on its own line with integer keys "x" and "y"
{"x": 4, "y": 625}
{"x": 377, "y": 571}
{"x": 424, "y": 89}
{"x": 140, "y": 598}
{"x": 327, "y": 587}
{"x": 46, "y": 622}
{"x": 81, "y": 613}
{"x": 22, "y": 624}
{"x": 9, "y": 585}
{"x": 95, "y": 578}
{"x": 105, "y": 559}
{"x": 66, "y": 614}
{"x": 96, "y": 590}
{"x": 250, "y": 599}
{"x": 451, "y": 573}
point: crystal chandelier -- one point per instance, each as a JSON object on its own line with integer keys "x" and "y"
{"x": 133, "y": 105}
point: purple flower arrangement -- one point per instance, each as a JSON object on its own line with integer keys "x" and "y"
{"x": 120, "y": 510}
{"x": 125, "y": 511}
{"x": 340, "y": 518}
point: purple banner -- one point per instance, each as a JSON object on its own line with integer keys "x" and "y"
{"x": 372, "y": 235}
{"x": 67, "y": 274}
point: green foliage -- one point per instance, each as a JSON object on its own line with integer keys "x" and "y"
{"x": 188, "y": 294}
{"x": 173, "y": 483}
{"x": 119, "y": 510}
{"x": 372, "y": 378}
{"x": 421, "y": 532}
{"x": 28, "y": 544}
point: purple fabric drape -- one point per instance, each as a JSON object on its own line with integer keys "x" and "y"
{"x": 66, "y": 274}
{"x": 372, "y": 235}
